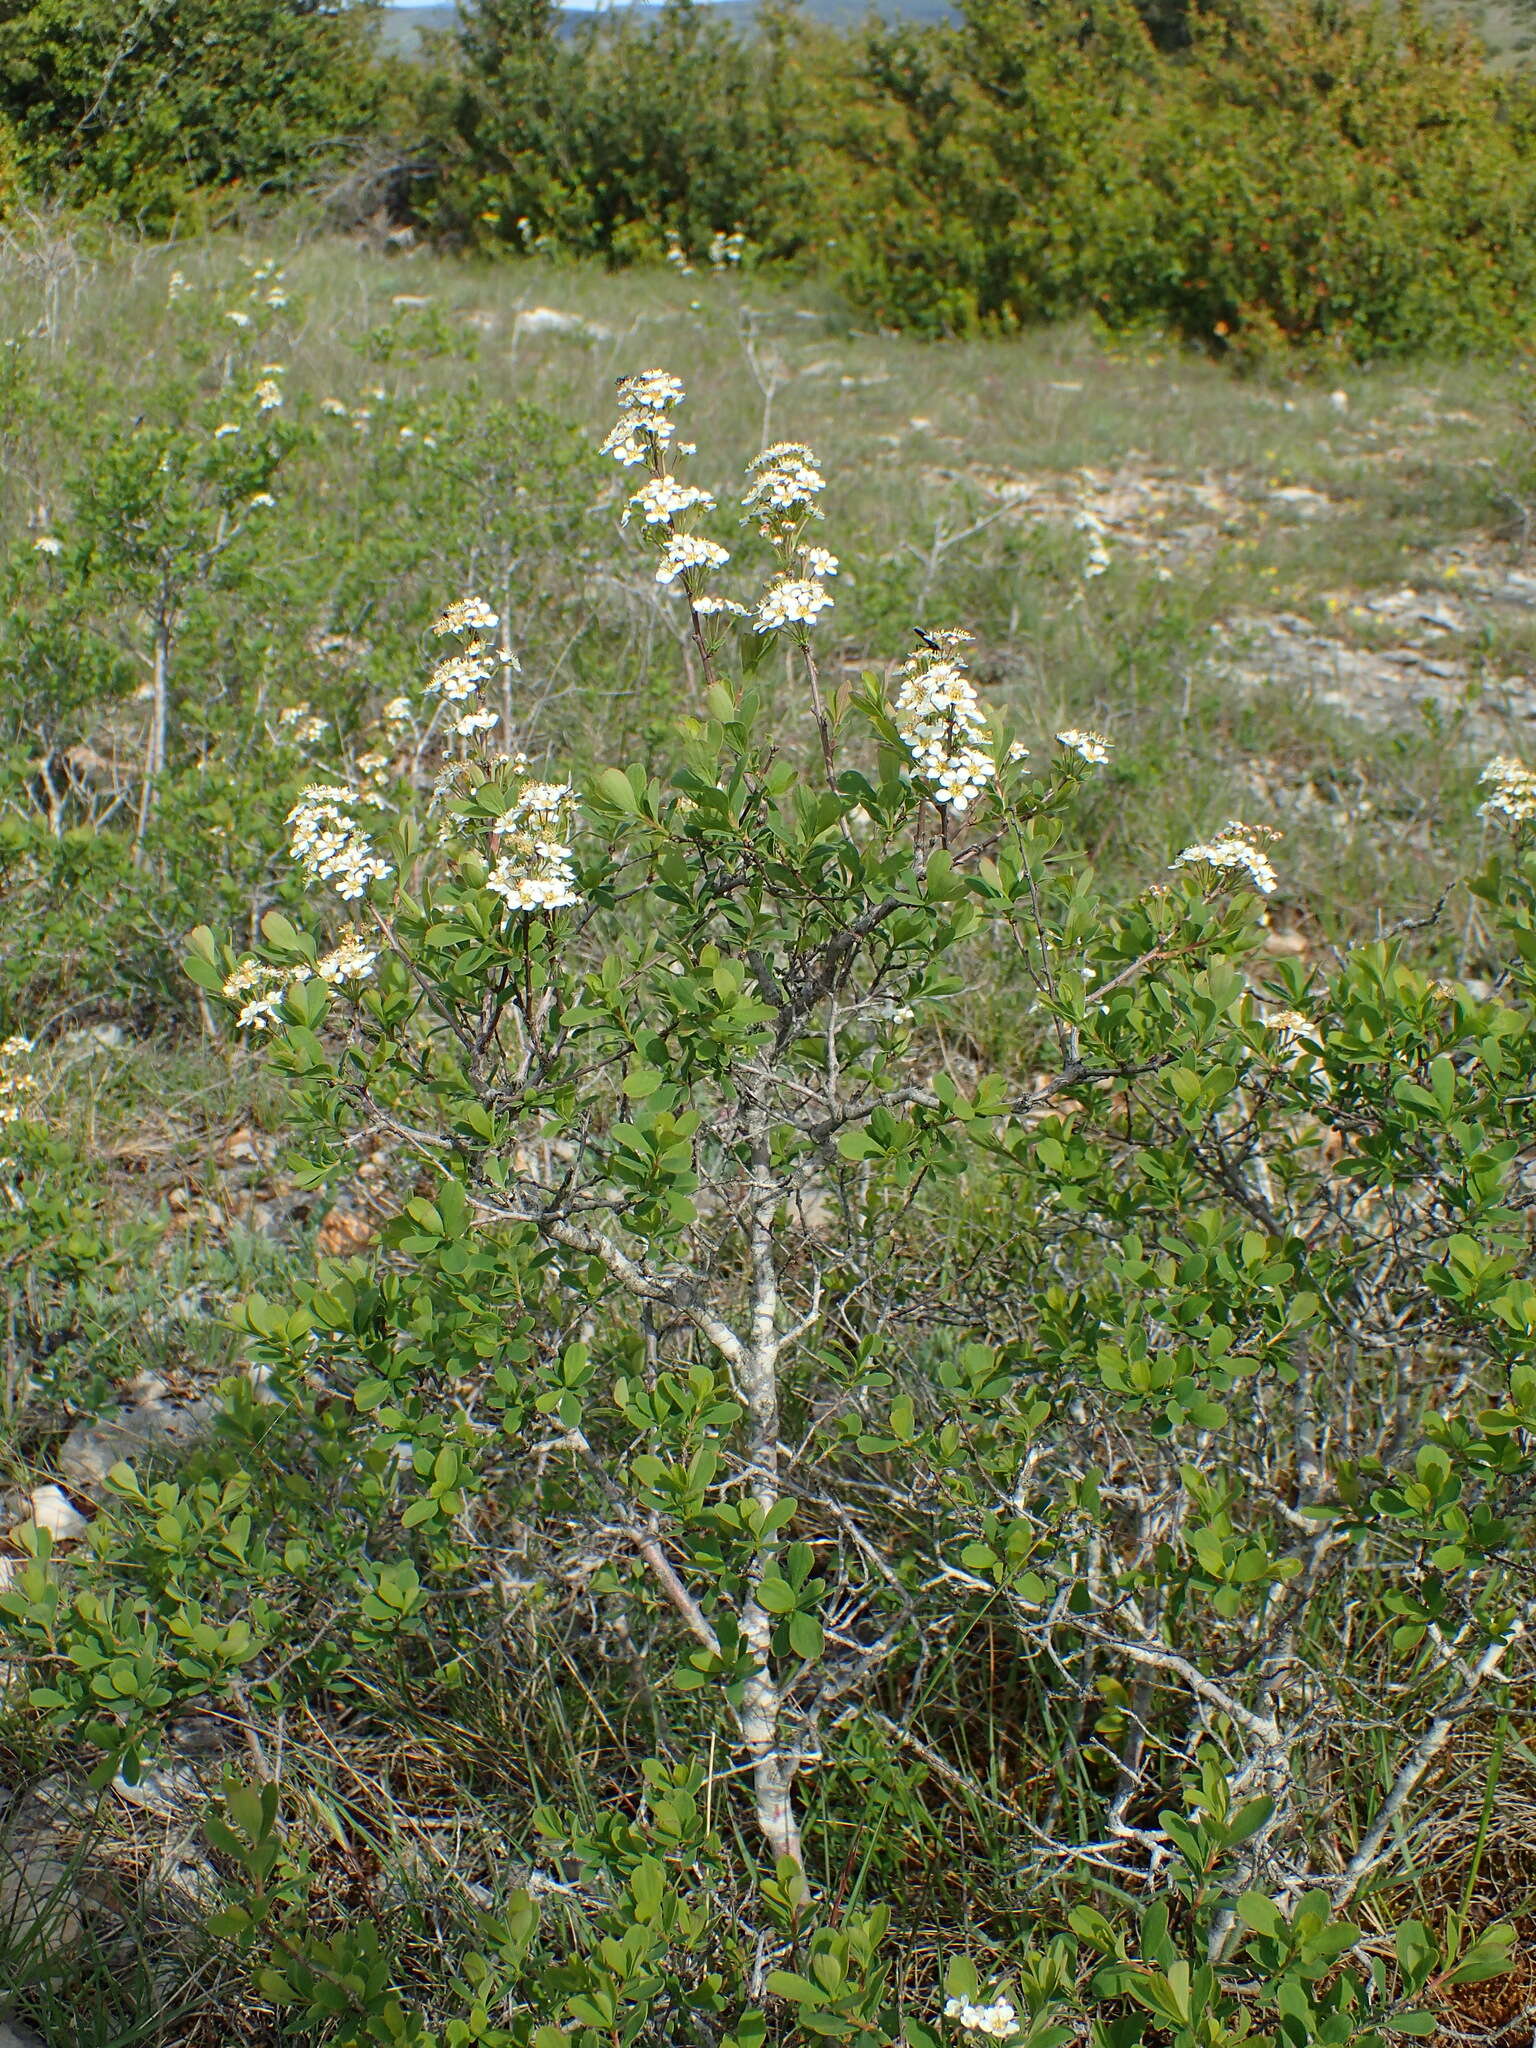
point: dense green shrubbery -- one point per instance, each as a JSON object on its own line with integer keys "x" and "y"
{"x": 1268, "y": 174}
{"x": 621, "y": 139}
{"x": 148, "y": 110}
{"x": 1291, "y": 175}
{"x": 1310, "y": 175}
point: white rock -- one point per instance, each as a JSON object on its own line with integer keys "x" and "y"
{"x": 549, "y": 320}
{"x": 53, "y": 1510}
{"x": 149, "y": 1428}
{"x": 13, "y": 2036}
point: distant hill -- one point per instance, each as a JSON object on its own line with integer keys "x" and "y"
{"x": 402, "y": 28}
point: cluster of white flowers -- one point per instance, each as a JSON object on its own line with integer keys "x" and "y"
{"x": 458, "y": 677}
{"x": 16, "y": 1084}
{"x": 1096, "y": 533}
{"x": 999, "y": 2020}
{"x": 329, "y": 843}
{"x": 644, "y": 428}
{"x": 782, "y": 497}
{"x": 785, "y": 487}
{"x": 398, "y": 714}
{"x": 685, "y": 554}
{"x": 468, "y": 615}
{"x": 791, "y": 601}
{"x": 269, "y": 395}
{"x": 236, "y": 318}
{"x": 941, "y": 722}
{"x": 1514, "y": 789}
{"x": 267, "y": 274}
{"x": 351, "y": 960}
{"x": 48, "y": 544}
{"x": 1235, "y": 851}
{"x": 259, "y": 988}
{"x": 298, "y": 723}
{"x": 177, "y": 287}
{"x": 533, "y": 869}
{"x": 663, "y": 498}
{"x": 1292, "y": 1031}
{"x": 726, "y": 250}
{"x": 1092, "y": 747}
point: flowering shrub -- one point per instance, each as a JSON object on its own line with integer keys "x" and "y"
{"x": 1174, "y": 1360}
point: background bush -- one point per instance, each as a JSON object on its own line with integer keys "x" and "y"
{"x": 144, "y": 109}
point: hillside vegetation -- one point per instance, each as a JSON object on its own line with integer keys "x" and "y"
{"x": 1259, "y": 177}
{"x": 767, "y": 1022}
{"x": 1158, "y": 1226}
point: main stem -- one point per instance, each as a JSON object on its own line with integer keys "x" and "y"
{"x": 762, "y": 1703}
{"x": 159, "y": 719}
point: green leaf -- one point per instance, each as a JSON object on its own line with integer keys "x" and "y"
{"x": 785, "y": 1984}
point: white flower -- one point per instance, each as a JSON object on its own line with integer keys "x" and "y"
{"x": 475, "y": 721}
{"x": 636, "y": 437}
{"x": 651, "y": 391}
{"x": 1514, "y": 790}
{"x": 397, "y": 712}
{"x": 330, "y": 844}
{"x": 48, "y": 544}
{"x": 819, "y": 562}
{"x": 264, "y": 988}
{"x": 1092, "y": 746}
{"x": 942, "y": 726}
{"x": 685, "y": 552}
{"x": 350, "y": 961}
{"x": 469, "y": 615}
{"x": 999, "y": 2020}
{"x": 176, "y": 287}
{"x": 334, "y": 407}
{"x": 277, "y": 297}
{"x": 1093, "y": 526}
{"x": 460, "y": 676}
{"x": 533, "y": 870}
{"x": 262, "y": 500}
{"x": 1294, "y": 1032}
{"x": 789, "y": 601}
{"x": 661, "y": 499}
{"x": 15, "y": 1083}
{"x": 268, "y": 394}
{"x": 1234, "y": 852}
{"x": 1018, "y": 752}
{"x": 236, "y": 318}
{"x": 708, "y": 607}
{"x": 298, "y": 723}
{"x": 786, "y": 484}
{"x": 224, "y": 429}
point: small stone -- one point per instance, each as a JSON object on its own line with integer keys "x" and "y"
{"x": 342, "y": 1232}
{"x": 53, "y": 1510}
{"x": 14, "y": 2036}
{"x": 151, "y": 1428}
